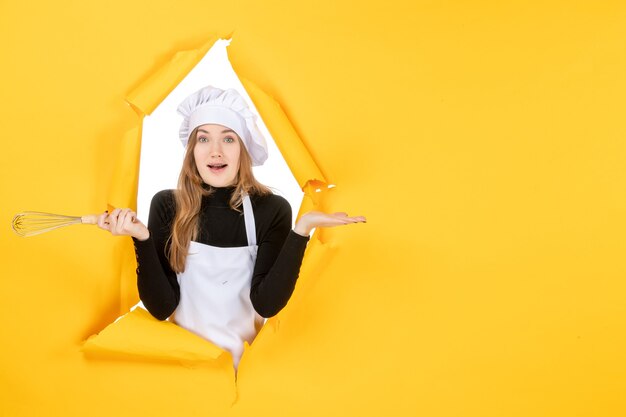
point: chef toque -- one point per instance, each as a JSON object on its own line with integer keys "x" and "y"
{"x": 211, "y": 105}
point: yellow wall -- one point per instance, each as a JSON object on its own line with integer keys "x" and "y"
{"x": 484, "y": 142}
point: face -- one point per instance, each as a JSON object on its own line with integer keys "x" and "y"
{"x": 216, "y": 154}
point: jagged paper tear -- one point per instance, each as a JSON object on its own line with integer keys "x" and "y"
{"x": 137, "y": 334}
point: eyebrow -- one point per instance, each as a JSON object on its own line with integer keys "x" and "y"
{"x": 223, "y": 131}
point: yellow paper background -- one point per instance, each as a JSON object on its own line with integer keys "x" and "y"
{"x": 484, "y": 141}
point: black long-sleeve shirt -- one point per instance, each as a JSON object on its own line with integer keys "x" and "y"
{"x": 279, "y": 255}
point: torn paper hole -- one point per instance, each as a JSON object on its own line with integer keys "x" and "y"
{"x": 158, "y": 134}
{"x": 162, "y": 152}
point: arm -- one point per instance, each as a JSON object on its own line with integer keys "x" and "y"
{"x": 156, "y": 281}
{"x": 280, "y": 256}
{"x": 277, "y": 266}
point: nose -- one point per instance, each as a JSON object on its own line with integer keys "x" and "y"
{"x": 215, "y": 149}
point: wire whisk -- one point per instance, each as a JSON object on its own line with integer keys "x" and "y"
{"x": 31, "y": 223}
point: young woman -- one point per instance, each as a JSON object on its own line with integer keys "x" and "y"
{"x": 219, "y": 253}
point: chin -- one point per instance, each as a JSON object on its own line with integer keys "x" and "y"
{"x": 218, "y": 183}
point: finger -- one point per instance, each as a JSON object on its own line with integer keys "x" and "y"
{"x": 359, "y": 219}
{"x": 340, "y": 214}
{"x": 355, "y": 219}
{"x": 112, "y": 220}
{"x": 102, "y": 221}
{"x": 129, "y": 221}
{"x": 121, "y": 221}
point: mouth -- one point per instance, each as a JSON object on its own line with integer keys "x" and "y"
{"x": 217, "y": 167}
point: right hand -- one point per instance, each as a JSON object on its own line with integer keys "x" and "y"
{"x": 123, "y": 222}
{"x": 314, "y": 219}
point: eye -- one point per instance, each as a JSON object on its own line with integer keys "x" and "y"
{"x": 228, "y": 139}
{"x": 202, "y": 139}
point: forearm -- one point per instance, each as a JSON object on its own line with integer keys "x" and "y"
{"x": 271, "y": 288}
{"x": 158, "y": 290}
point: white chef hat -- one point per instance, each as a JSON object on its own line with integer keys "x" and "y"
{"x": 211, "y": 105}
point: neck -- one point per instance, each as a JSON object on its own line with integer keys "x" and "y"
{"x": 210, "y": 187}
{"x": 220, "y": 196}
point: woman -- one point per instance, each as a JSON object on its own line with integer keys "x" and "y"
{"x": 219, "y": 254}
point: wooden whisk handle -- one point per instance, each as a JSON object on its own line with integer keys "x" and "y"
{"x": 89, "y": 219}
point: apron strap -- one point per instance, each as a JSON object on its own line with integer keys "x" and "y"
{"x": 248, "y": 215}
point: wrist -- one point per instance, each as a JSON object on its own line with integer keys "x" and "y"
{"x": 142, "y": 236}
{"x": 302, "y": 229}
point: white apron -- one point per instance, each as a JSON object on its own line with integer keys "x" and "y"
{"x": 215, "y": 292}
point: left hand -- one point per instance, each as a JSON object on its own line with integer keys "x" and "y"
{"x": 313, "y": 219}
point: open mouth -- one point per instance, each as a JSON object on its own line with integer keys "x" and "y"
{"x": 217, "y": 167}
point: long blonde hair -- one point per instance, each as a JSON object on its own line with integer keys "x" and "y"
{"x": 188, "y": 198}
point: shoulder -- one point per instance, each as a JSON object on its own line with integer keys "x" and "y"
{"x": 271, "y": 209}
{"x": 271, "y": 202}
{"x": 163, "y": 202}
{"x": 163, "y": 197}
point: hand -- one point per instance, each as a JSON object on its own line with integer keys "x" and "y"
{"x": 123, "y": 222}
{"x": 313, "y": 219}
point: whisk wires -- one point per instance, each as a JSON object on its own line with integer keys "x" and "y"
{"x": 31, "y": 223}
